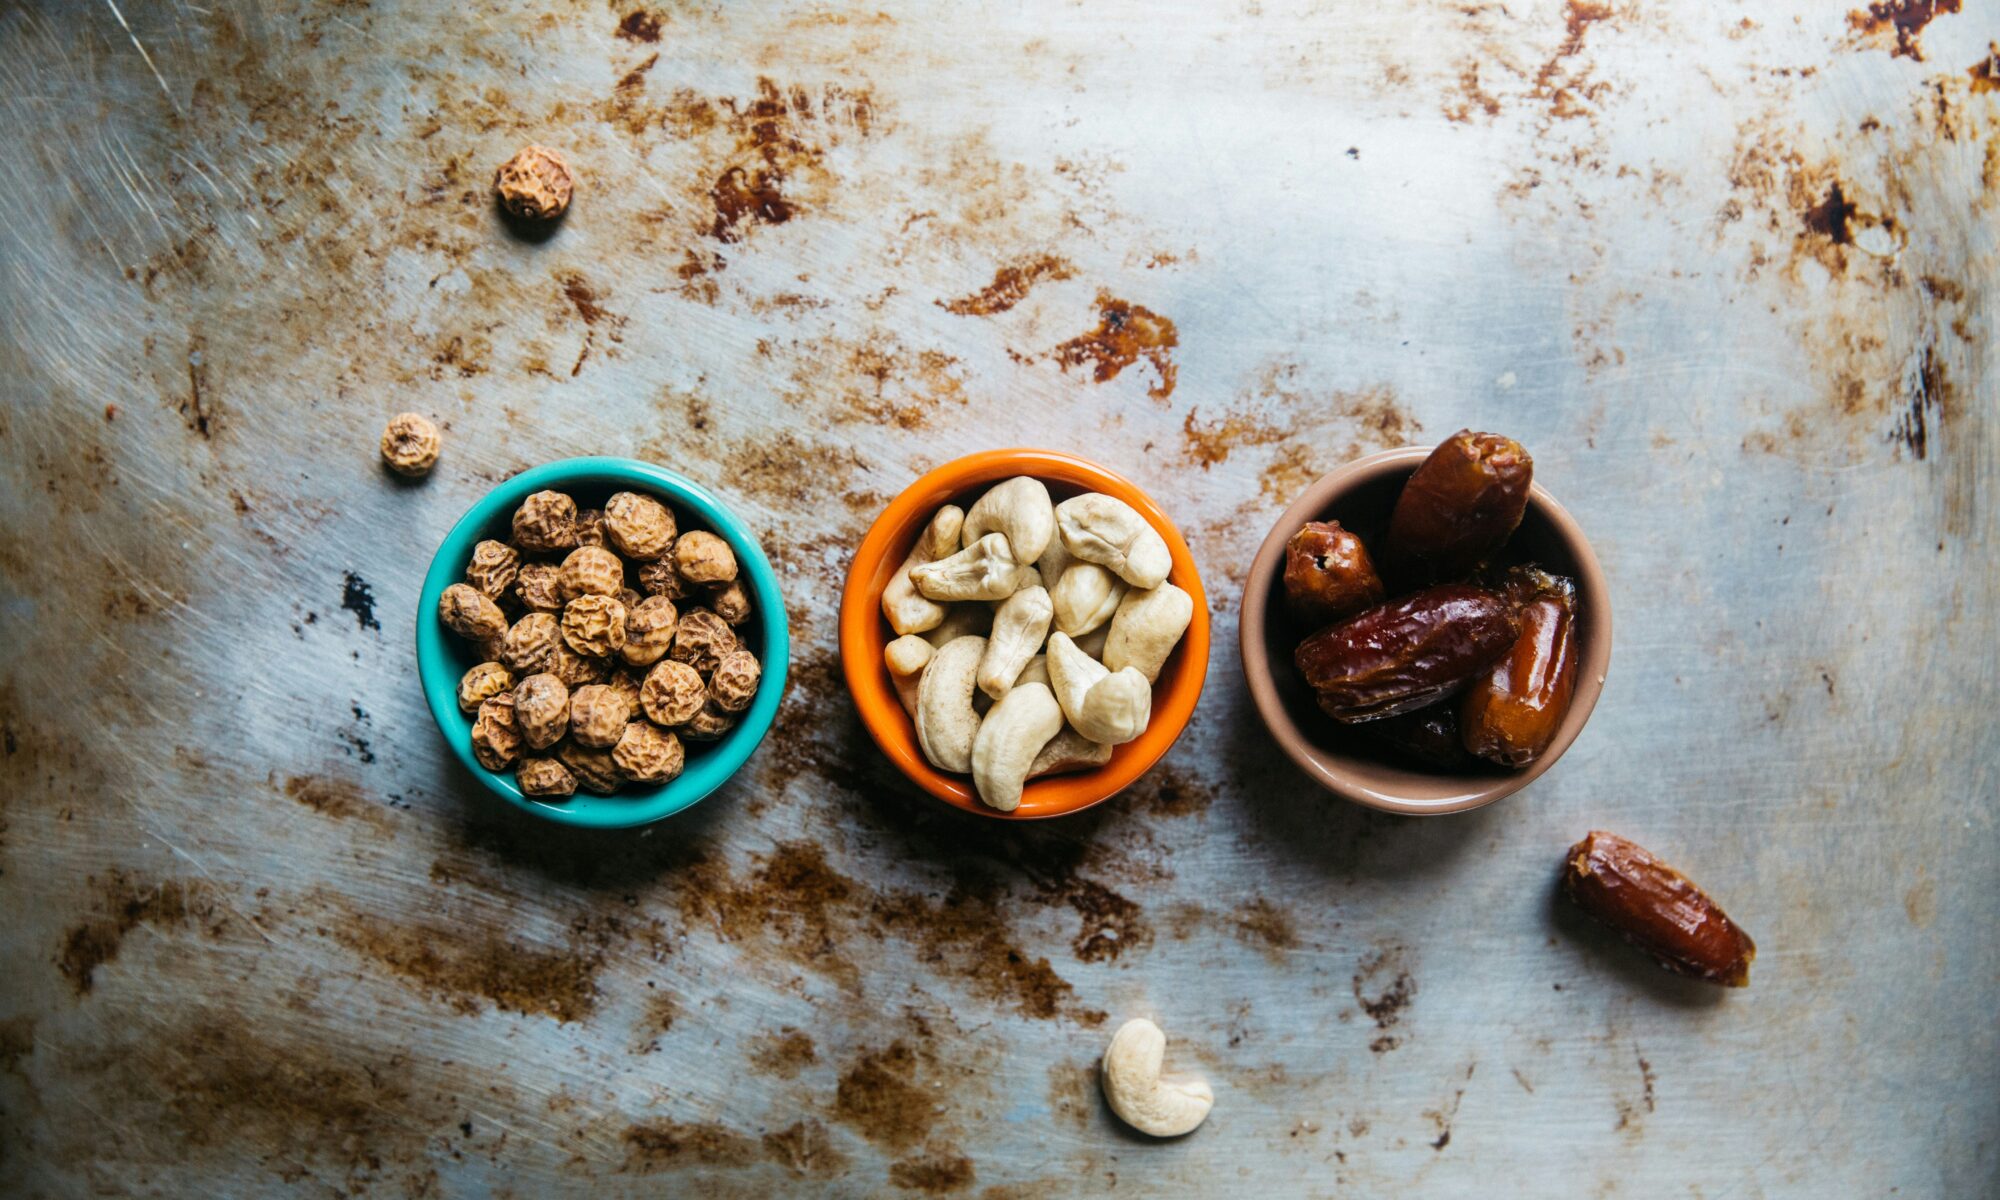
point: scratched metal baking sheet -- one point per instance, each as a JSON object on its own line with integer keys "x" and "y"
{"x": 1728, "y": 270}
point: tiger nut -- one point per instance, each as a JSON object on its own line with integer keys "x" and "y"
{"x": 638, "y": 526}
{"x": 649, "y": 631}
{"x": 708, "y": 725}
{"x": 593, "y": 767}
{"x": 410, "y": 444}
{"x": 626, "y": 683}
{"x": 590, "y": 527}
{"x": 575, "y": 669}
{"x": 591, "y": 571}
{"x": 471, "y": 613}
{"x": 481, "y": 684}
{"x": 530, "y": 642}
{"x": 594, "y": 625}
{"x": 731, "y": 602}
{"x": 541, "y": 710}
{"x": 703, "y": 557}
{"x": 701, "y": 639}
{"x": 539, "y": 587}
{"x": 544, "y": 777}
{"x": 630, "y": 598}
{"x": 659, "y": 578}
{"x": 672, "y": 693}
{"x": 496, "y": 741}
{"x": 645, "y": 753}
{"x": 545, "y": 522}
{"x": 536, "y": 184}
{"x": 493, "y": 568}
{"x": 735, "y": 681}
{"x": 597, "y": 714}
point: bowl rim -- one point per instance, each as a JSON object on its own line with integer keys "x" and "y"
{"x": 873, "y": 694}
{"x": 706, "y": 771}
{"x": 1314, "y": 500}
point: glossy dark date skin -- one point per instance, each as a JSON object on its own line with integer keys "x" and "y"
{"x": 1328, "y": 574}
{"x": 1408, "y": 653}
{"x": 1511, "y": 713}
{"x": 1457, "y": 509}
{"x": 1427, "y": 738}
{"x": 1657, "y": 909}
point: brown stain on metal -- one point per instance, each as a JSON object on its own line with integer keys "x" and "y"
{"x": 1112, "y": 923}
{"x": 1566, "y": 92}
{"x": 466, "y": 968}
{"x": 1830, "y": 217}
{"x": 198, "y": 409}
{"x": 882, "y": 1095}
{"x": 1125, "y": 334}
{"x": 1469, "y": 97}
{"x": 640, "y": 25}
{"x": 1900, "y": 23}
{"x": 1632, "y": 1113}
{"x": 662, "y": 1145}
{"x": 803, "y": 1149}
{"x": 783, "y": 1054}
{"x": 936, "y": 1174}
{"x": 1929, "y": 401}
{"x": 1258, "y": 922}
{"x": 1984, "y": 75}
{"x": 340, "y": 799}
{"x": 1011, "y": 284}
{"x": 17, "y": 1041}
{"x": 1384, "y": 988}
{"x": 1171, "y": 791}
{"x": 123, "y": 903}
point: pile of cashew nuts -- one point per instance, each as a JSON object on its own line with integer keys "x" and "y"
{"x": 1030, "y": 633}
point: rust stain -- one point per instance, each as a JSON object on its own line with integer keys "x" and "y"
{"x": 1258, "y": 922}
{"x": 198, "y": 408}
{"x": 1566, "y": 93}
{"x": 1928, "y": 403}
{"x": 784, "y": 1054}
{"x": 803, "y": 1149}
{"x": 660, "y": 1145}
{"x": 1900, "y": 22}
{"x": 1112, "y": 924}
{"x": 461, "y": 967}
{"x": 1384, "y": 988}
{"x": 883, "y": 1097}
{"x": 17, "y": 1041}
{"x": 1985, "y": 74}
{"x": 1631, "y": 1113}
{"x": 1830, "y": 217}
{"x": 1211, "y": 443}
{"x": 340, "y": 799}
{"x": 936, "y": 1174}
{"x": 122, "y": 904}
{"x": 1010, "y": 286}
{"x": 639, "y": 25}
{"x": 1470, "y": 97}
{"x": 1125, "y": 334}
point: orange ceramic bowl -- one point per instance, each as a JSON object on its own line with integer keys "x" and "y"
{"x": 864, "y": 632}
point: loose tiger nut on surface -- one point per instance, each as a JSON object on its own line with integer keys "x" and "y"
{"x": 536, "y": 184}
{"x": 496, "y": 741}
{"x": 660, "y": 578}
{"x": 530, "y": 642}
{"x": 638, "y": 526}
{"x": 471, "y": 613}
{"x": 672, "y": 693}
{"x": 649, "y": 631}
{"x": 481, "y": 684}
{"x": 598, "y": 713}
{"x": 645, "y": 753}
{"x": 541, "y": 710}
{"x": 731, "y": 602}
{"x": 545, "y": 522}
{"x": 593, "y": 767}
{"x": 734, "y": 683}
{"x": 594, "y": 626}
{"x": 539, "y": 587}
{"x": 592, "y": 571}
{"x": 701, "y": 639}
{"x": 703, "y": 557}
{"x": 545, "y": 777}
{"x": 494, "y": 567}
{"x": 410, "y": 444}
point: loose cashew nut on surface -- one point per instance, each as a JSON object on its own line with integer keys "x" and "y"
{"x": 1145, "y": 1099}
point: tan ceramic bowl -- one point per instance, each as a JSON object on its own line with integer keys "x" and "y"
{"x": 1360, "y": 496}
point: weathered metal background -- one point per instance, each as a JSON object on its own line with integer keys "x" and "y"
{"x": 1728, "y": 270}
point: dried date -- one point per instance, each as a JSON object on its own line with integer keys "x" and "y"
{"x": 1407, "y": 653}
{"x": 1427, "y": 738}
{"x": 1458, "y": 508}
{"x": 1657, "y": 909}
{"x": 1328, "y": 574}
{"x": 1511, "y": 714}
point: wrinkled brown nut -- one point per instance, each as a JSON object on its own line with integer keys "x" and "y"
{"x": 649, "y": 631}
{"x": 545, "y": 522}
{"x": 541, "y": 710}
{"x": 471, "y": 613}
{"x": 659, "y": 578}
{"x": 593, "y": 767}
{"x": 708, "y": 725}
{"x": 645, "y": 753}
{"x": 590, "y": 527}
{"x": 491, "y": 649}
{"x": 629, "y": 598}
{"x": 530, "y": 642}
{"x": 702, "y": 557}
{"x": 496, "y": 741}
{"x": 597, "y": 714}
{"x": 734, "y": 683}
{"x": 493, "y": 568}
{"x": 575, "y": 669}
{"x": 1657, "y": 909}
{"x": 672, "y": 693}
{"x": 536, "y": 184}
{"x": 639, "y": 526}
{"x": 594, "y": 626}
{"x": 481, "y": 684}
{"x": 539, "y": 587}
{"x": 591, "y": 571}
{"x": 701, "y": 639}
{"x": 626, "y": 683}
{"x": 731, "y": 602}
{"x": 410, "y": 444}
{"x": 544, "y": 777}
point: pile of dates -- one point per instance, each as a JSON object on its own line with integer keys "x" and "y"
{"x": 1470, "y": 662}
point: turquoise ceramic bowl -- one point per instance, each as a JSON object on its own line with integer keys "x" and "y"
{"x": 443, "y": 658}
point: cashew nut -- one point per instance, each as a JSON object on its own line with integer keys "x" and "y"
{"x": 1146, "y": 628}
{"x": 1085, "y": 596}
{"x": 906, "y": 658}
{"x": 1092, "y": 643}
{"x": 1010, "y": 737}
{"x": 1161, "y": 1105}
{"x": 1111, "y": 533}
{"x": 1020, "y": 510}
{"x": 1054, "y": 559}
{"x": 1037, "y": 671}
{"x": 1068, "y": 751}
{"x": 946, "y": 720}
{"x": 1019, "y": 628}
{"x": 1105, "y": 706}
{"x": 960, "y": 620}
{"x": 985, "y": 570}
{"x": 908, "y": 612}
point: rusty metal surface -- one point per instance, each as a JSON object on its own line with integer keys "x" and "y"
{"x": 1729, "y": 272}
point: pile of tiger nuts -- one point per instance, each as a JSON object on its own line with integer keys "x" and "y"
{"x": 606, "y": 639}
